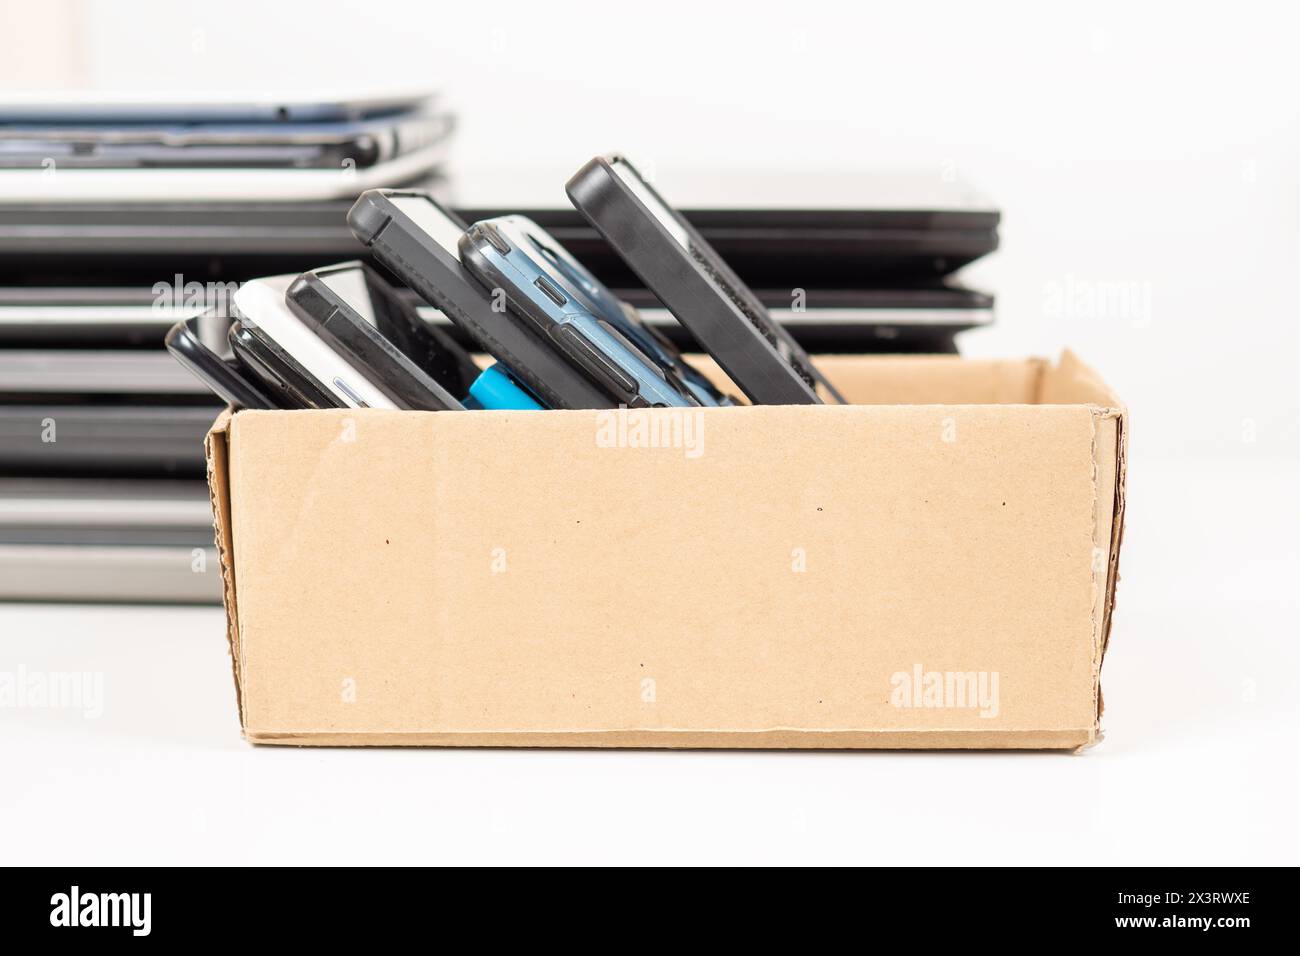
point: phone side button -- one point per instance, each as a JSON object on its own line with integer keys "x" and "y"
{"x": 494, "y": 238}
{"x": 549, "y": 290}
{"x": 595, "y": 362}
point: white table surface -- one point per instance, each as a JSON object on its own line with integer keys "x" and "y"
{"x": 1198, "y": 766}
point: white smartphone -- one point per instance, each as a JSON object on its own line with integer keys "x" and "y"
{"x": 261, "y": 303}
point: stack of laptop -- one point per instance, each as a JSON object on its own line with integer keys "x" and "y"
{"x": 142, "y": 214}
{"x": 875, "y": 275}
{"x": 109, "y": 205}
{"x": 103, "y": 493}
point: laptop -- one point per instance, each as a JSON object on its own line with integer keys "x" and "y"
{"x": 97, "y": 540}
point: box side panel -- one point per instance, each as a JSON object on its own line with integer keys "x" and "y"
{"x": 893, "y": 570}
{"x": 216, "y": 446}
{"x": 1071, "y": 382}
{"x": 1112, "y": 465}
{"x": 1105, "y": 446}
{"x": 1117, "y": 524}
{"x": 1074, "y": 382}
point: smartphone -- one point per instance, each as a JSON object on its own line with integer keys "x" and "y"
{"x": 277, "y": 370}
{"x": 202, "y": 345}
{"x": 693, "y": 282}
{"x": 360, "y": 316}
{"x": 418, "y": 241}
{"x": 547, "y": 286}
{"x": 261, "y": 304}
{"x": 416, "y": 364}
{"x": 624, "y": 317}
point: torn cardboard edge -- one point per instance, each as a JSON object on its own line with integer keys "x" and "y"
{"x": 875, "y": 380}
{"x": 216, "y": 448}
{"x": 1073, "y": 382}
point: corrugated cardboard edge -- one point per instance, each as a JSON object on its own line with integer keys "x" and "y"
{"x": 216, "y": 447}
{"x": 1072, "y": 381}
{"x": 773, "y": 739}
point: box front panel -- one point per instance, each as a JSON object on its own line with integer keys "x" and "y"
{"x": 923, "y": 568}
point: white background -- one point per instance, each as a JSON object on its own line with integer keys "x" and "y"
{"x": 1154, "y": 150}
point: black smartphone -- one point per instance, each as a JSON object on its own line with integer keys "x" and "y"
{"x": 279, "y": 373}
{"x": 416, "y": 239}
{"x": 359, "y": 314}
{"x": 696, "y": 286}
{"x": 202, "y": 345}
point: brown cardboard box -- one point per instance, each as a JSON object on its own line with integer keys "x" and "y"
{"x": 932, "y": 567}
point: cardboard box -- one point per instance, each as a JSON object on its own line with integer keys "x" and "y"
{"x": 933, "y": 567}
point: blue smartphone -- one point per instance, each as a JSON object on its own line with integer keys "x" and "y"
{"x": 599, "y": 334}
